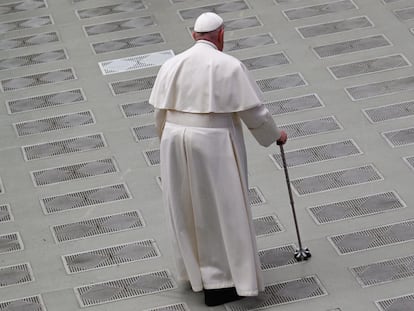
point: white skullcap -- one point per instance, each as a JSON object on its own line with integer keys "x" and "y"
{"x": 207, "y": 22}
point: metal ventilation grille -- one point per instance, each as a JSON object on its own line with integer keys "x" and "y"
{"x": 351, "y": 46}
{"x": 85, "y": 198}
{"x": 21, "y": 42}
{"x": 242, "y": 23}
{"x": 405, "y": 14}
{"x": 28, "y": 23}
{"x": 130, "y": 6}
{"x": 281, "y": 293}
{"x": 97, "y": 226}
{"x": 321, "y": 9}
{"x": 127, "y": 43}
{"x": 55, "y": 123}
{"x": 74, "y": 172}
{"x": 277, "y": 257}
{"x": 152, "y": 157}
{"x": 10, "y": 243}
{"x": 390, "y": 112}
{"x": 255, "y": 196}
{"x": 46, "y": 101}
{"x": 368, "y": 205}
{"x": 318, "y": 153}
{"x": 33, "y": 59}
{"x": 5, "y": 214}
{"x": 266, "y": 61}
{"x": 15, "y": 275}
{"x": 38, "y": 79}
{"x": 135, "y": 62}
{"x": 384, "y": 271}
{"x": 227, "y": 7}
{"x": 33, "y": 303}
{"x": 111, "y": 256}
{"x": 145, "y": 132}
{"x": 63, "y": 147}
{"x": 410, "y": 161}
{"x": 293, "y": 104}
{"x": 249, "y": 42}
{"x": 137, "y": 109}
{"x": 369, "y": 66}
{"x": 380, "y": 88}
{"x": 281, "y": 82}
{"x": 400, "y": 137}
{"x": 135, "y": 85}
{"x": 373, "y": 238}
{"x": 311, "y": 127}
{"x": 396, "y": 304}
{"x": 266, "y": 225}
{"x": 335, "y": 27}
{"x": 125, "y": 24}
{"x": 135, "y": 286}
{"x": 174, "y": 307}
{"x": 22, "y": 6}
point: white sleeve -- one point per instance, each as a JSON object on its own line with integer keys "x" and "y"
{"x": 159, "y": 115}
{"x": 261, "y": 124}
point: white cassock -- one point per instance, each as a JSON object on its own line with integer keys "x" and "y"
{"x": 200, "y": 97}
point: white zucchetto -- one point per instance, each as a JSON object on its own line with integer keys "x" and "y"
{"x": 207, "y": 22}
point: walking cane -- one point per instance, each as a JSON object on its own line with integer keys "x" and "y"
{"x": 300, "y": 253}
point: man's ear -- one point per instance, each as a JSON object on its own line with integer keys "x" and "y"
{"x": 193, "y": 34}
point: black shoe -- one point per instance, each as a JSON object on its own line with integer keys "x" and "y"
{"x": 216, "y": 297}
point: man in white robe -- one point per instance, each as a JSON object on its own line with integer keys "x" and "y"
{"x": 200, "y": 97}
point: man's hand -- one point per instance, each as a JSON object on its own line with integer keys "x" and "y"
{"x": 283, "y": 138}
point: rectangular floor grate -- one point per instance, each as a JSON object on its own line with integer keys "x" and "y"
{"x": 317, "y": 153}
{"x": 249, "y": 42}
{"x": 33, "y": 59}
{"x": 266, "y": 225}
{"x": 5, "y": 213}
{"x": 125, "y": 24}
{"x": 380, "y": 88}
{"x": 97, "y": 226}
{"x": 45, "y": 78}
{"x": 294, "y": 104}
{"x": 311, "y": 127}
{"x": 409, "y": 161}
{"x": 137, "y": 109}
{"x": 396, "y": 304}
{"x": 152, "y": 157}
{"x": 54, "y": 123}
{"x": 348, "y": 24}
{"x": 242, "y": 23}
{"x": 130, "y": 6}
{"x": 384, "y": 271}
{"x": 362, "y": 206}
{"x": 127, "y": 43}
{"x": 351, "y": 46}
{"x": 281, "y": 82}
{"x": 174, "y": 307}
{"x": 135, "y": 62}
{"x": 405, "y": 14}
{"x": 33, "y": 303}
{"x": 90, "y": 197}
{"x": 134, "y": 286}
{"x": 266, "y": 61}
{"x": 232, "y": 6}
{"x": 320, "y": 9}
{"x": 134, "y": 85}
{"x": 21, "y": 42}
{"x": 369, "y": 66}
{"x": 10, "y": 242}
{"x": 27, "y": 23}
{"x": 110, "y": 256}
{"x": 46, "y": 101}
{"x": 281, "y": 293}
{"x": 64, "y": 147}
{"x": 16, "y": 275}
{"x": 145, "y": 132}
{"x": 389, "y": 112}
{"x": 277, "y": 257}
{"x": 373, "y": 238}
{"x": 336, "y": 180}
{"x": 399, "y": 138}
{"x": 255, "y": 196}
{"x": 22, "y": 6}
{"x": 74, "y": 172}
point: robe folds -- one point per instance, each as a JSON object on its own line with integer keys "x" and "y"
{"x": 204, "y": 170}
